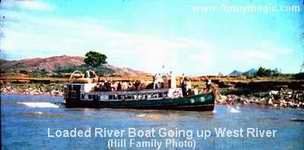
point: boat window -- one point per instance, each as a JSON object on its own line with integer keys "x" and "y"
{"x": 76, "y": 87}
{"x": 96, "y": 98}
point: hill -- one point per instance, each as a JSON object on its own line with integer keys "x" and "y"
{"x": 235, "y": 73}
{"x": 252, "y": 72}
{"x": 61, "y": 64}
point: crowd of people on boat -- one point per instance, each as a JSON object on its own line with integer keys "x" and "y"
{"x": 160, "y": 81}
{"x": 164, "y": 81}
{"x": 106, "y": 86}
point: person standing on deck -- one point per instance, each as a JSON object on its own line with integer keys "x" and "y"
{"x": 172, "y": 80}
{"x": 154, "y": 81}
{"x": 208, "y": 84}
{"x": 183, "y": 85}
{"x": 188, "y": 87}
{"x": 157, "y": 82}
{"x": 119, "y": 86}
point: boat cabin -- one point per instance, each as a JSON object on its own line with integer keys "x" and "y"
{"x": 88, "y": 88}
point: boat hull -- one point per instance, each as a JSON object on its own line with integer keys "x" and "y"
{"x": 201, "y": 102}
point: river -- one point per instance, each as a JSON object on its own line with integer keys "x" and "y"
{"x": 31, "y": 122}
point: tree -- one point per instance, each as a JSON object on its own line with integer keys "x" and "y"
{"x": 265, "y": 72}
{"x": 95, "y": 59}
{"x": 299, "y": 76}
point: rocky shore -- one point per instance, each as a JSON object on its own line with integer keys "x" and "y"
{"x": 32, "y": 89}
{"x": 274, "y": 98}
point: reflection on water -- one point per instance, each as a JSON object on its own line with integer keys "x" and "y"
{"x": 42, "y": 114}
{"x": 25, "y": 120}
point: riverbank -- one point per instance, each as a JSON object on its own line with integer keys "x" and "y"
{"x": 52, "y": 89}
{"x": 285, "y": 97}
{"x": 273, "y": 93}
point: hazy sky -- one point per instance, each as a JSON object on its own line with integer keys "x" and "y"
{"x": 188, "y": 36}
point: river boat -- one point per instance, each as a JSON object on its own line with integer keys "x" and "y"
{"x": 85, "y": 94}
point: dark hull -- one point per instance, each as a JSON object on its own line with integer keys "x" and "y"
{"x": 202, "y": 102}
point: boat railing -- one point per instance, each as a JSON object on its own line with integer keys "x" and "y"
{"x": 146, "y": 91}
{"x": 149, "y": 94}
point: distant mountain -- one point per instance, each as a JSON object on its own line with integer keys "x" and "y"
{"x": 251, "y": 72}
{"x": 235, "y": 73}
{"x": 51, "y": 64}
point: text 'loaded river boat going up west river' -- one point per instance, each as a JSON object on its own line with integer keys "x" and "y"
{"x": 89, "y": 92}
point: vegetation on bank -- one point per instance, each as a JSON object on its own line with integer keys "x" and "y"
{"x": 266, "y": 72}
{"x": 273, "y": 74}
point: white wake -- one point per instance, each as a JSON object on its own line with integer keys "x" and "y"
{"x": 234, "y": 110}
{"x": 39, "y": 104}
{"x": 141, "y": 115}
